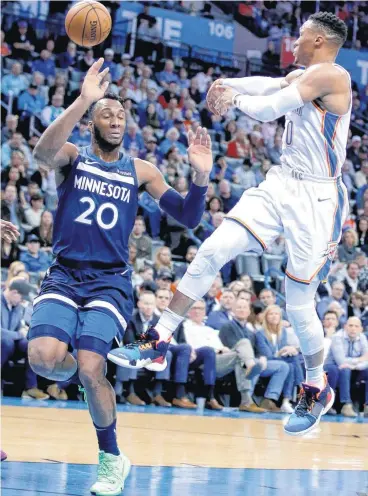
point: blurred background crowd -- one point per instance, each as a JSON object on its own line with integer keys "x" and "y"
{"x": 236, "y": 346}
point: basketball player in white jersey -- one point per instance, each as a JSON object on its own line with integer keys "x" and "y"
{"x": 304, "y": 199}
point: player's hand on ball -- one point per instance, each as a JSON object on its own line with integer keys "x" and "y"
{"x": 200, "y": 150}
{"x": 225, "y": 100}
{"x": 213, "y": 94}
{"x": 94, "y": 87}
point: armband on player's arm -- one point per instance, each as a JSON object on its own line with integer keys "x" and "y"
{"x": 254, "y": 85}
{"x": 189, "y": 210}
{"x": 269, "y": 108}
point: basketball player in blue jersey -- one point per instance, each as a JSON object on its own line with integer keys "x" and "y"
{"x": 86, "y": 298}
{"x": 304, "y": 198}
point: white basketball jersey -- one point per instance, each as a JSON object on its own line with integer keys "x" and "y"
{"x": 314, "y": 140}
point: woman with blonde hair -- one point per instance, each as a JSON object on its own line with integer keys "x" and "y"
{"x": 14, "y": 269}
{"x": 276, "y": 343}
{"x": 163, "y": 259}
{"x": 348, "y": 251}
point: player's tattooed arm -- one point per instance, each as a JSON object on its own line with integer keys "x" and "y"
{"x": 53, "y": 150}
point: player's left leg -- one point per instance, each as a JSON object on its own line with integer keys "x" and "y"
{"x": 316, "y": 397}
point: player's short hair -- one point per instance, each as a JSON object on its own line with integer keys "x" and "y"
{"x": 109, "y": 95}
{"x": 334, "y": 28}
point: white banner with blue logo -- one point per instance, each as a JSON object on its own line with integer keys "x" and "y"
{"x": 176, "y": 27}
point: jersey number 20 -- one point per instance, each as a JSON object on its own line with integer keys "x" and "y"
{"x": 83, "y": 218}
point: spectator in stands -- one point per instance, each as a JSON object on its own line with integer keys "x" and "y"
{"x": 205, "y": 79}
{"x": 163, "y": 259}
{"x": 262, "y": 171}
{"x": 228, "y": 198}
{"x": 68, "y": 59}
{"x": 14, "y": 82}
{"x": 172, "y": 140}
{"x": 22, "y": 40}
{"x": 216, "y": 319}
{"x": 275, "y": 151}
{"x": 169, "y": 95}
{"x": 356, "y": 305}
{"x": 244, "y": 176}
{"x": 51, "y": 112}
{"x": 142, "y": 241}
{"x": 44, "y": 231}
{"x": 164, "y": 279}
{"x": 132, "y": 137}
{"x": 351, "y": 279}
{"x": 81, "y": 135}
{"x": 10, "y": 208}
{"x": 5, "y": 48}
{"x": 167, "y": 75}
{"x": 34, "y": 259}
{"x": 151, "y": 118}
{"x": 85, "y": 62}
{"x": 277, "y": 343}
{"x": 11, "y": 124}
{"x": 31, "y": 101}
{"x": 353, "y": 151}
{"x": 44, "y": 64}
{"x": 33, "y": 212}
{"x": 238, "y": 355}
{"x": 9, "y": 252}
{"x": 349, "y": 354}
{"x": 221, "y": 170}
{"x": 362, "y": 175}
{"x": 347, "y": 250}
{"x": 270, "y": 58}
{"x": 14, "y": 343}
{"x": 189, "y": 257}
{"x": 183, "y": 78}
{"x": 267, "y": 297}
{"x": 214, "y": 205}
{"x": 337, "y": 295}
{"x": 363, "y": 234}
{"x": 142, "y": 319}
{"x": 239, "y": 147}
{"x": 109, "y": 62}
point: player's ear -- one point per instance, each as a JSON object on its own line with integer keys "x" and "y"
{"x": 90, "y": 126}
{"x": 319, "y": 40}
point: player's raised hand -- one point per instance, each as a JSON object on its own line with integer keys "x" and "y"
{"x": 94, "y": 86}
{"x": 9, "y": 232}
{"x": 200, "y": 150}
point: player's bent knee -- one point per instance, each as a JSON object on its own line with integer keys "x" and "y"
{"x": 44, "y": 354}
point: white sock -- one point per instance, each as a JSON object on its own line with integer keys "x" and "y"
{"x": 316, "y": 377}
{"x": 168, "y": 323}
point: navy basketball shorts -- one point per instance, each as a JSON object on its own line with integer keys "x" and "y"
{"x": 86, "y": 309}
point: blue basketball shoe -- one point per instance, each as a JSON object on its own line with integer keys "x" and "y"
{"x": 149, "y": 353}
{"x": 313, "y": 403}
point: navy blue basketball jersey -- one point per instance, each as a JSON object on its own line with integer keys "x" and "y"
{"x": 98, "y": 203}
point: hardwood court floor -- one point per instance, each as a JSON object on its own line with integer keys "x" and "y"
{"x": 180, "y": 453}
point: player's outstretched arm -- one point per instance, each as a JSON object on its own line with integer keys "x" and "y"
{"x": 188, "y": 211}
{"x": 253, "y": 85}
{"x": 316, "y": 82}
{"x": 52, "y": 149}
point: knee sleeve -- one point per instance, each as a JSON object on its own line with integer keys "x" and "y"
{"x": 302, "y": 315}
{"x": 228, "y": 241}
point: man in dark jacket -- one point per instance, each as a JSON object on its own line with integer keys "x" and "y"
{"x": 14, "y": 343}
{"x": 143, "y": 318}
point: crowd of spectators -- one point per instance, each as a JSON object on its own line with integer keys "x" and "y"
{"x": 240, "y": 327}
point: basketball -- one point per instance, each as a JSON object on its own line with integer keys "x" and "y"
{"x": 88, "y": 23}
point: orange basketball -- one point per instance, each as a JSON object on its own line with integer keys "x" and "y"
{"x": 88, "y": 23}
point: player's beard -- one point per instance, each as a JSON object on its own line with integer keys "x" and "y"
{"x": 103, "y": 144}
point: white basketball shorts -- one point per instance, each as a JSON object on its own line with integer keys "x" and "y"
{"x": 309, "y": 211}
